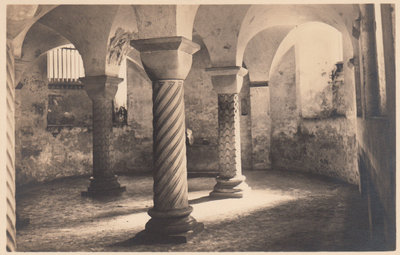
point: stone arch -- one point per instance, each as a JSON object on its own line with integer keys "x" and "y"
{"x": 260, "y": 51}
{"x": 219, "y": 26}
{"x": 304, "y": 131}
{"x": 35, "y": 45}
{"x": 345, "y": 92}
{"x": 18, "y": 24}
{"x": 98, "y": 32}
{"x": 292, "y": 40}
{"x": 340, "y": 17}
{"x": 260, "y": 17}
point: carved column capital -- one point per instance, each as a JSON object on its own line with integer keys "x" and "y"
{"x": 166, "y": 58}
{"x": 101, "y": 86}
{"x": 227, "y": 80}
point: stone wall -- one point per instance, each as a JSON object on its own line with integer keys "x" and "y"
{"x": 245, "y": 124}
{"x": 44, "y": 153}
{"x": 376, "y": 140}
{"x": 322, "y": 145}
{"x": 40, "y": 155}
{"x": 138, "y": 136}
{"x": 260, "y": 127}
{"x": 201, "y": 112}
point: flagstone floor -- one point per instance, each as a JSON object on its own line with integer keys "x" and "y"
{"x": 284, "y": 211}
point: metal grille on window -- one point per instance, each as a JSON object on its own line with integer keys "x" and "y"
{"x": 64, "y": 67}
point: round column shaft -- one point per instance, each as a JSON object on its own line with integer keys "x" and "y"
{"x": 167, "y": 61}
{"x": 101, "y": 90}
{"x": 171, "y": 210}
{"x": 227, "y": 82}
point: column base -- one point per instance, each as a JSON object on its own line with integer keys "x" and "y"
{"x": 151, "y": 238}
{"x": 103, "y": 187}
{"x": 173, "y": 226}
{"x": 230, "y": 188}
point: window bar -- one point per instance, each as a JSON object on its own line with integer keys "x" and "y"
{"x": 55, "y": 64}
{"x": 58, "y": 64}
{"x": 77, "y": 73}
{"x": 68, "y": 65}
{"x": 49, "y": 65}
{"x": 82, "y": 71}
{"x": 64, "y": 64}
{"x": 73, "y": 65}
{"x": 60, "y": 74}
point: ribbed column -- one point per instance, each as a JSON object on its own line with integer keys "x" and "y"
{"x": 101, "y": 90}
{"x": 170, "y": 175}
{"x": 167, "y": 61}
{"x": 229, "y": 136}
{"x": 169, "y": 145}
{"x": 227, "y": 82}
{"x": 8, "y": 165}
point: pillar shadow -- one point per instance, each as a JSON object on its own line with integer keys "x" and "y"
{"x": 143, "y": 238}
{"x": 121, "y": 213}
{"x": 204, "y": 199}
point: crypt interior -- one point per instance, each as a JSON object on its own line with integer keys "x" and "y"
{"x": 200, "y": 128}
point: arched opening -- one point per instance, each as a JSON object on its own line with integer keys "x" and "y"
{"x": 310, "y": 106}
{"x": 319, "y": 62}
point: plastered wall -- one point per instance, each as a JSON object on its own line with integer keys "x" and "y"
{"x": 322, "y": 145}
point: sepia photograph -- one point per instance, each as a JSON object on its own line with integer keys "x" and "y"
{"x": 198, "y": 126}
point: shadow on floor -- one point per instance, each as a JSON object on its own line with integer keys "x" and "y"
{"x": 322, "y": 215}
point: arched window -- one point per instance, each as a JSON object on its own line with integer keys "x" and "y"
{"x": 64, "y": 67}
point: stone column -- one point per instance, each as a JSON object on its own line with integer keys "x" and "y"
{"x": 227, "y": 82}
{"x": 369, "y": 60}
{"x": 167, "y": 62}
{"x": 8, "y": 141}
{"x": 101, "y": 90}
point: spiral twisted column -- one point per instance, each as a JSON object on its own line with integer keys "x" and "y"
{"x": 169, "y": 145}
{"x": 227, "y": 82}
{"x": 167, "y": 62}
{"x": 171, "y": 208}
{"x": 101, "y": 90}
{"x": 8, "y": 165}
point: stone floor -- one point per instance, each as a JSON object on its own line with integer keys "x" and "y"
{"x": 284, "y": 211}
